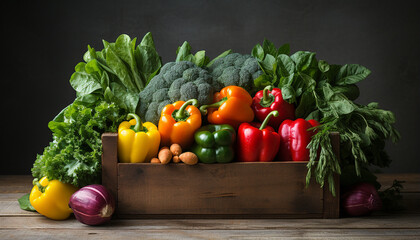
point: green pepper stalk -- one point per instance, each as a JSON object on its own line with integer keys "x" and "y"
{"x": 139, "y": 124}
{"x": 181, "y": 114}
{"x": 40, "y": 187}
{"x": 267, "y": 98}
{"x": 267, "y": 119}
{"x": 203, "y": 109}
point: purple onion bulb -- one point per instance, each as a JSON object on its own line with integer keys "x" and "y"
{"x": 361, "y": 199}
{"x": 92, "y": 205}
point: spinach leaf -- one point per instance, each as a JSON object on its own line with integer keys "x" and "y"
{"x": 84, "y": 83}
{"x": 286, "y": 65}
{"x": 200, "y": 59}
{"x": 258, "y": 52}
{"x": 303, "y": 60}
{"x": 124, "y": 48}
{"x": 351, "y": 74}
{"x": 269, "y": 48}
{"x": 25, "y": 204}
{"x": 223, "y": 54}
{"x": 120, "y": 69}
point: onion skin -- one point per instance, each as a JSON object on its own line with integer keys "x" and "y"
{"x": 92, "y": 205}
{"x": 360, "y": 200}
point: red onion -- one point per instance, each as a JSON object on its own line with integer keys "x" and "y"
{"x": 92, "y": 205}
{"x": 361, "y": 199}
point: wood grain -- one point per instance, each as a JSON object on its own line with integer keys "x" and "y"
{"x": 275, "y": 188}
{"x": 319, "y": 234}
{"x": 109, "y": 163}
{"x": 376, "y": 221}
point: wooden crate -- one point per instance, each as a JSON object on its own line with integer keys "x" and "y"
{"x": 232, "y": 190}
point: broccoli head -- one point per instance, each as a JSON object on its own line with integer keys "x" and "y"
{"x": 176, "y": 81}
{"x": 236, "y": 69}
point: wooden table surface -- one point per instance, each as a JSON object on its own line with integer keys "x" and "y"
{"x": 18, "y": 224}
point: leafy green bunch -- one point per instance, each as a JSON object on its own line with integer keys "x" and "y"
{"x": 117, "y": 73}
{"x": 326, "y": 92}
{"x": 75, "y": 152}
{"x": 107, "y": 86}
{"x": 183, "y": 53}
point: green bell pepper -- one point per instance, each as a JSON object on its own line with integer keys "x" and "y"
{"x": 214, "y": 143}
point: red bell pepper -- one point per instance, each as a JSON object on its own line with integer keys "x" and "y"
{"x": 257, "y": 142}
{"x": 294, "y": 138}
{"x": 271, "y": 99}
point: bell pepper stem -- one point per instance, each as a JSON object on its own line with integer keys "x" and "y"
{"x": 139, "y": 125}
{"x": 267, "y": 98}
{"x": 181, "y": 113}
{"x": 40, "y": 187}
{"x": 203, "y": 109}
{"x": 267, "y": 119}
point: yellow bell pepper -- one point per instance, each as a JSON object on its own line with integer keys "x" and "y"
{"x": 137, "y": 142}
{"x": 51, "y": 198}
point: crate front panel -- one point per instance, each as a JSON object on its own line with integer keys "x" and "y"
{"x": 274, "y": 188}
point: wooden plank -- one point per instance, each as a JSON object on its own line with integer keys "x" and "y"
{"x": 15, "y": 183}
{"x": 221, "y": 189}
{"x": 383, "y": 222}
{"x": 103, "y": 234}
{"x": 109, "y": 163}
{"x": 11, "y": 208}
{"x": 331, "y": 204}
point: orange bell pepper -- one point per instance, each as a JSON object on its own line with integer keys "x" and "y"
{"x": 232, "y": 106}
{"x": 178, "y": 123}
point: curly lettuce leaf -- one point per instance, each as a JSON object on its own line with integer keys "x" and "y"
{"x": 74, "y": 155}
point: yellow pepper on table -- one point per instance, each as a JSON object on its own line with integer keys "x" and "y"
{"x": 137, "y": 142}
{"x": 178, "y": 123}
{"x": 51, "y": 198}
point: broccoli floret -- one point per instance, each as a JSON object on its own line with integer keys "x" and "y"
{"x": 236, "y": 69}
{"x": 176, "y": 81}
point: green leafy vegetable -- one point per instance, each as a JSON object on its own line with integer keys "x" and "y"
{"x": 107, "y": 86}
{"x": 117, "y": 73}
{"x": 183, "y": 53}
{"x": 25, "y": 204}
{"x": 325, "y": 92}
{"x": 74, "y": 155}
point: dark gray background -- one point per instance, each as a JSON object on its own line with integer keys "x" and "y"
{"x": 44, "y": 40}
